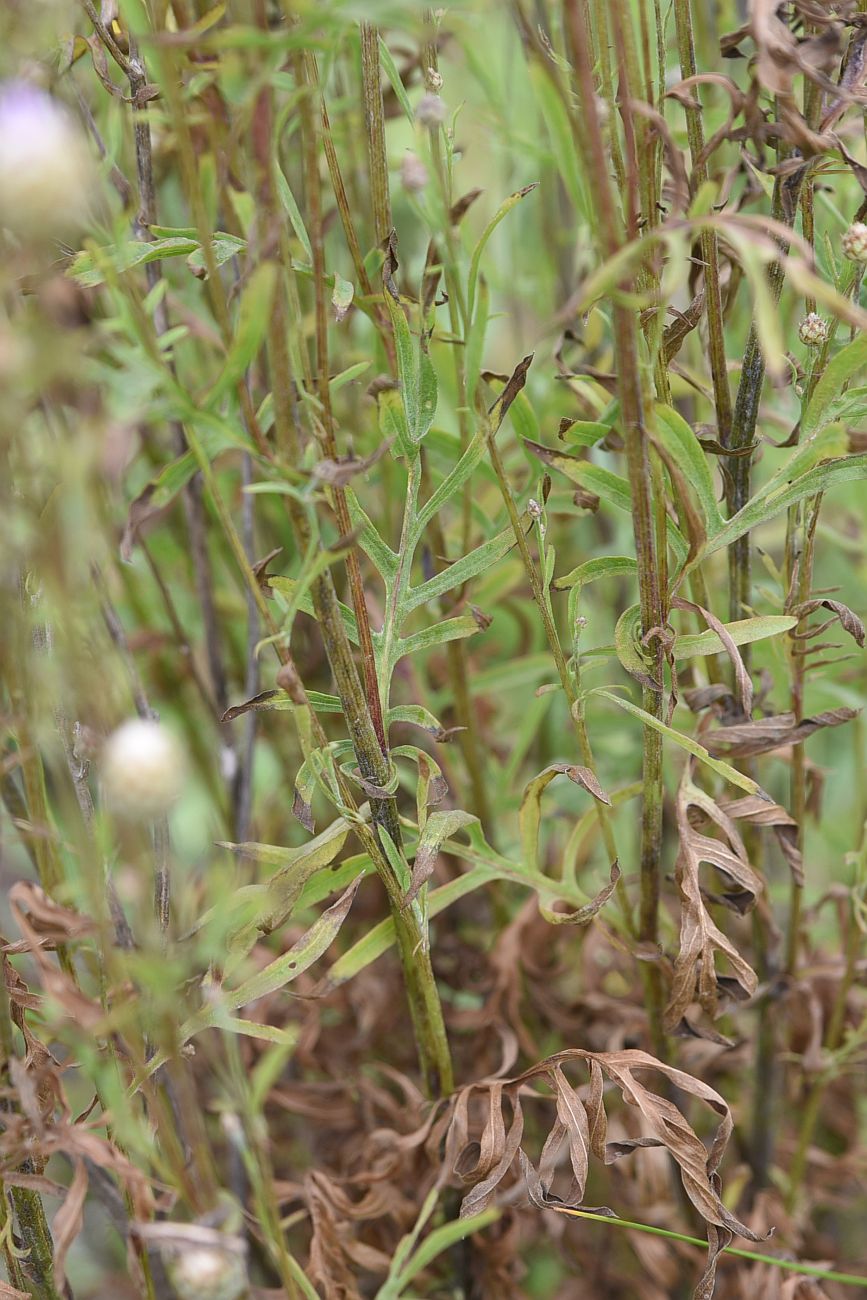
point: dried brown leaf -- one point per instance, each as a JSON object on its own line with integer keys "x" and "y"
{"x": 746, "y": 739}
{"x": 760, "y": 812}
{"x": 849, "y": 620}
{"x": 68, "y": 1221}
{"x": 695, "y": 977}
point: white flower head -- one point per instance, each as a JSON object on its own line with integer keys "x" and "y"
{"x": 143, "y": 770}
{"x": 46, "y": 170}
{"x": 206, "y": 1273}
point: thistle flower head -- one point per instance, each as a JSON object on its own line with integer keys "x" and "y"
{"x": 813, "y": 331}
{"x": 855, "y": 242}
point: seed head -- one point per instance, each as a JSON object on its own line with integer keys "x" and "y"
{"x": 46, "y": 171}
{"x": 813, "y": 331}
{"x": 142, "y": 770}
{"x": 855, "y": 242}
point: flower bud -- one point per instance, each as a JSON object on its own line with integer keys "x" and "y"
{"x": 208, "y": 1273}
{"x": 431, "y": 111}
{"x": 813, "y": 331}
{"x": 142, "y": 770}
{"x": 46, "y": 171}
{"x": 413, "y": 173}
{"x": 855, "y": 242}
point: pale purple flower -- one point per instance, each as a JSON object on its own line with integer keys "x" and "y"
{"x": 46, "y": 171}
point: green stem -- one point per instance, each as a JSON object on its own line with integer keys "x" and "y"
{"x": 790, "y": 1265}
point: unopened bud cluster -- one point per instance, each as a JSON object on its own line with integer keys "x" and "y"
{"x": 855, "y": 242}
{"x": 813, "y": 331}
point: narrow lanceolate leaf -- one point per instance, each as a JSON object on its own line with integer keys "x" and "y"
{"x": 451, "y": 629}
{"x": 467, "y": 567}
{"x": 280, "y": 972}
{"x": 604, "y": 566}
{"x": 504, "y": 209}
{"x": 439, "y": 826}
{"x": 287, "y": 198}
{"x": 254, "y": 313}
{"x": 839, "y": 370}
{"x": 685, "y": 742}
{"x": 744, "y": 631}
{"x": 683, "y": 450}
{"x": 762, "y": 507}
{"x": 695, "y": 976}
{"x": 275, "y": 898}
{"x": 603, "y": 483}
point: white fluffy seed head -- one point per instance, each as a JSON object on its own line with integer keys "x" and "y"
{"x": 46, "y": 170}
{"x": 205, "y": 1273}
{"x": 855, "y": 242}
{"x": 813, "y": 331}
{"x": 142, "y": 769}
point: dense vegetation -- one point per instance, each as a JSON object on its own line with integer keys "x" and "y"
{"x": 433, "y": 543}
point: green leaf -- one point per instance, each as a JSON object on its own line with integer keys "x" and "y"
{"x": 627, "y": 645}
{"x": 406, "y": 362}
{"x": 254, "y": 313}
{"x": 288, "y": 587}
{"x": 438, "y": 827}
{"x": 434, "y": 1244}
{"x": 381, "y": 554}
{"x": 585, "y": 433}
{"x": 451, "y": 629}
{"x": 341, "y": 297}
{"x": 275, "y": 899}
{"x": 427, "y": 393}
{"x": 280, "y": 972}
{"x": 560, "y": 133}
{"x": 698, "y": 751}
{"x": 88, "y": 266}
{"x": 604, "y": 483}
{"x": 287, "y": 198}
{"x": 476, "y": 342}
{"x": 847, "y": 469}
{"x": 678, "y": 439}
{"x": 397, "y": 85}
{"x": 743, "y": 632}
{"x": 452, "y": 482}
{"x": 839, "y": 370}
{"x": 605, "y": 566}
{"x": 504, "y": 209}
{"x": 467, "y": 567}
{"x": 417, "y": 715}
{"x": 223, "y": 247}
{"x": 392, "y": 421}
